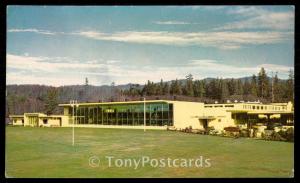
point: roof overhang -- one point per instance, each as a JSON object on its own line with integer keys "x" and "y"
{"x": 271, "y": 112}
{"x": 52, "y": 116}
{"x": 16, "y": 116}
{"x": 206, "y": 117}
{"x": 115, "y": 103}
{"x": 236, "y": 111}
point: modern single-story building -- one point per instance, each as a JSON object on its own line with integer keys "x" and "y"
{"x": 39, "y": 120}
{"x": 160, "y": 114}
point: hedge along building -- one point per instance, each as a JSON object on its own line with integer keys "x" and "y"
{"x": 160, "y": 114}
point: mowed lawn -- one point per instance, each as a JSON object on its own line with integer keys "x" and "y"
{"x": 48, "y": 152}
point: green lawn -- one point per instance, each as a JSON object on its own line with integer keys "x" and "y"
{"x": 48, "y": 152}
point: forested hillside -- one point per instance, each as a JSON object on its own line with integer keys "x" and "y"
{"x": 41, "y": 98}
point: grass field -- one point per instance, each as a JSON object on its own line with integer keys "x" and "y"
{"x": 48, "y": 152}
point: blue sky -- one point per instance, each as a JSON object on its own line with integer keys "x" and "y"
{"x": 61, "y": 45}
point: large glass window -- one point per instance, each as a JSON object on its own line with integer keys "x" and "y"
{"x": 157, "y": 114}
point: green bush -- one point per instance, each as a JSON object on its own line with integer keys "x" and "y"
{"x": 290, "y": 135}
{"x": 244, "y": 133}
{"x": 279, "y": 136}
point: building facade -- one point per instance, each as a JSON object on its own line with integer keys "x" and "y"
{"x": 160, "y": 114}
{"x": 248, "y": 114}
{"x": 39, "y": 120}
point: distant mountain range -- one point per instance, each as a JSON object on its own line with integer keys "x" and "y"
{"x": 107, "y": 88}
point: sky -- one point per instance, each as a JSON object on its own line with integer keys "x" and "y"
{"x": 63, "y": 45}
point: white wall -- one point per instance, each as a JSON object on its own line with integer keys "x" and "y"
{"x": 185, "y": 114}
{"x": 17, "y": 121}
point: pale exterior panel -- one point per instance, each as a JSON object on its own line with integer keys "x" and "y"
{"x": 222, "y": 118}
{"x": 18, "y": 121}
{"x": 185, "y": 114}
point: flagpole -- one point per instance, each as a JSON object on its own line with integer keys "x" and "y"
{"x": 73, "y": 102}
{"x": 144, "y": 115}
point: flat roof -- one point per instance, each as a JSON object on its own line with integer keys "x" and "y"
{"x": 156, "y": 101}
{"x": 270, "y": 112}
{"x": 206, "y": 117}
{"x": 52, "y": 116}
{"x": 125, "y": 102}
{"x": 274, "y": 104}
{"x": 16, "y": 116}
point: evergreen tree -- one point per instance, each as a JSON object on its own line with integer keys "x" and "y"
{"x": 247, "y": 87}
{"x": 263, "y": 84}
{"x": 172, "y": 88}
{"x": 51, "y": 101}
{"x": 86, "y": 82}
{"x": 112, "y": 91}
{"x": 176, "y": 88}
{"x": 189, "y": 91}
{"x": 253, "y": 86}
{"x": 134, "y": 90}
{"x": 196, "y": 88}
{"x": 239, "y": 87}
{"x": 166, "y": 89}
{"x": 85, "y": 92}
{"x": 276, "y": 89}
{"x": 211, "y": 89}
{"x": 202, "y": 88}
{"x": 231, "y": 87}
{"x": 290, "y": 86}
{"x": 149, "y": 88}
{"x": 224, "y": 90}
{"x": 160, "y": 87}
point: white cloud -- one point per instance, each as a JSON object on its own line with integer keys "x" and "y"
{"x": 34, "y": 31}
{"x": 218, "y": 39}
{"x": 45, "y": 64}
{"x": 222, "y": 40}
{"x": 211, "y": 8}
{"x": 232, "y": 70}
{"x": 19, "y": 78}
{"x": 39, "y": 70}
{"x": 171, "y": 22}
{"x": 113, "y": 61}
{"x": 256, "y": 17}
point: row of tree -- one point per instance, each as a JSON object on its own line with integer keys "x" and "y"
{"x": 40, "y": 98}
{"x": 260, "y": 87}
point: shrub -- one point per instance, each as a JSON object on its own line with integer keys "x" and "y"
{"x": 268, "y": 134}
{"x": 278, "y": 136}
{"x": 232, "y": 129}
{"x": 244, "y": 133}
{"x": 290, "y": 134}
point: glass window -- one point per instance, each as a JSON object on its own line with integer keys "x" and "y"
{"x": 45, "y": 121}
{"x": 157, "y": 114}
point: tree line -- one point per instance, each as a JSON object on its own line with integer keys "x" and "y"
{"x": 259, "y": 87}
{"x": 45, "y": 99}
